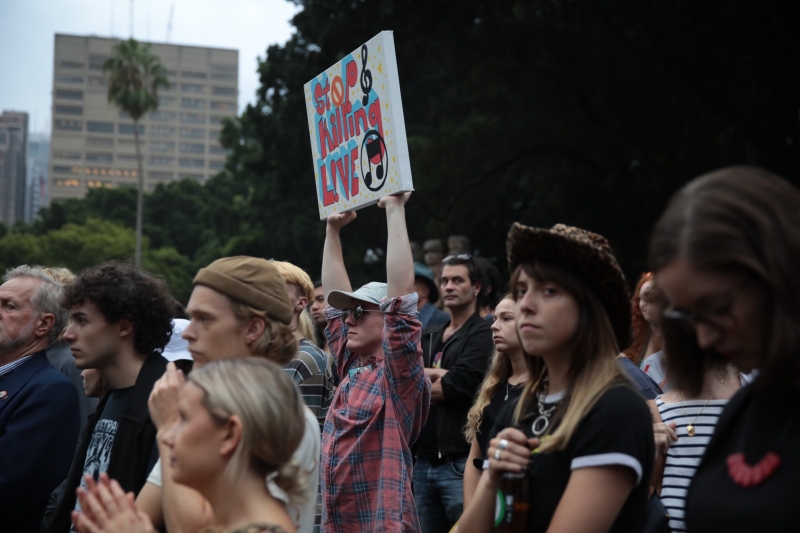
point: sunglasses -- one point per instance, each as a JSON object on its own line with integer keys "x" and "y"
{"x": 462, "y": 257}
{"x": 357, "y": 313}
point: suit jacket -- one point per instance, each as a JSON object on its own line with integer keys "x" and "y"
{"x": 134, "y": 451}
{"x": 39, "y": 425}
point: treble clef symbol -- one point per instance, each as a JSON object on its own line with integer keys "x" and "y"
{"x": 366, "y": 76}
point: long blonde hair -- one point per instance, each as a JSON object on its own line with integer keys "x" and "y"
{"x": 305, "y": 325}
{"x": 270, "y": 407}
{"x": 593, "y": 367}
{"x": 500, "y": 370}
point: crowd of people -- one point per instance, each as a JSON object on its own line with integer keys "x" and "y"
{"x": 271, "y": 403}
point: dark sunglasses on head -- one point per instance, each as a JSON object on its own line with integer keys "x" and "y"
{"x": 357, "y": 313}
{"x": 462, "y": 257}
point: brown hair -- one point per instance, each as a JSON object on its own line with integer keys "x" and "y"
{"x": 593, "y": 367}
{"x": 276, "y": 343}
{"x": 737, "y": 218}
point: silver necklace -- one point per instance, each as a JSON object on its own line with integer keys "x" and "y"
{"x": 542, "y": 422}
{"x": 508, "y": 385}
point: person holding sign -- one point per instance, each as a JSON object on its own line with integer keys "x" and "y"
{"x": 382, "y": 401}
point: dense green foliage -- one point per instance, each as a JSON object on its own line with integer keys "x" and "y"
{"x": 584, "y": 112}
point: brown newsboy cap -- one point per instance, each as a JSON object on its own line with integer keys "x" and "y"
{"x": 252, "y": 281}
{"x": 586, "y": 255}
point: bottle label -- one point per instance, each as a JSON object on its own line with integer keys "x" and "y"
{"x": 499, "y": 508}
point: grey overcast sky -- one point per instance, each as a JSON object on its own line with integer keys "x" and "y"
{"x": 27, "y": 29}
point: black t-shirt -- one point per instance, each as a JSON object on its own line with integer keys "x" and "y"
{"x": 617, "y": 431}
{"x": 493, "y": 410}
{"x": 753, "y": 422}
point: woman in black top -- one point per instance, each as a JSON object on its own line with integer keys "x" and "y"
{"x": 726, "y": 253}
{"x": 586, "y": 437}
{"x": 501, "y": 387}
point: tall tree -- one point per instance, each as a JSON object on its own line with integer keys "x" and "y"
{"x": 135, "y": 75}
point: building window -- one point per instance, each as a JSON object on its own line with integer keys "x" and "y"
{"x": 165, "y": 101}
{"x": 186, "y": 176}
{"x": 66, "y": 170}
{"x": 195, "y": 75}
{"x": 99, "y": 184}
{"x": 192, "y": 133}
{"x": 99, "y": 143}
{"x": 70, "y": 64}
{"x": 69, "y": 95}
{"x": 95, "y": 81}
{"x": 99, "y": 158}
{"x": 216, "y": 149}
{"x": 66, "y": 155}
{"x": 191, "y": 88}
{"x": 220, "y": 76}
{"x": 100, "y": 127}
{"x": 186, "y": 148}
{"x": 72, "y": 182}
{"x": 162, "y": 146}
{"x": 96, "y": 61}
{"x": 193, "y": 103}
{"x": 78, "y": 80}
{"x": 215, "y": 119}
{"x": 229, "y": 69}
{"x": 223, "y": 106}
{"x": 162, "y": 116}
{"x": 224, "y": 91}
{"x": 69, "y": 110}
{"x": 127, "y": 158}
{"x": 67, "y": 125}
{"x": 193, "y": 118}
{"x": 162, "y": 161}
{"x": 157, "y": 175}
{"x": 127, "y": 129}
{"x": 214, "y": 134}
{"x": 162, "y": 131}
{"x": 186, "y": 162}
{"x": 216, "y": 165}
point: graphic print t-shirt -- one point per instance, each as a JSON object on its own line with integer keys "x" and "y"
{"x": 99, "y": 450}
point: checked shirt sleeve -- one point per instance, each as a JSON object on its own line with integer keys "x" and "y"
{"x": 405, "y": 373}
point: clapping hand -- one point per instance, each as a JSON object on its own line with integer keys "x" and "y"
{"x": 105, "y": 508}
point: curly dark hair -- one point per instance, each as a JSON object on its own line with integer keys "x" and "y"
{"x": 491, "y": 284}
{"x": 120, "y": 290}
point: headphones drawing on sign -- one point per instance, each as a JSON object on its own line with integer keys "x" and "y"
{"x": 376, "y": 154}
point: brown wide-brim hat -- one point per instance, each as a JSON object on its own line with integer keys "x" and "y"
{"x": 586, "y": 255}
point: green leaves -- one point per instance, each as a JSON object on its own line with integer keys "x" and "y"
{"x": 134, "y": 76}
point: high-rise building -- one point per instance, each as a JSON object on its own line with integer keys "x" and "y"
{"x": 13, "y": 154}
{"x": 38, "y": 168}
{"x": 92, "y": 142}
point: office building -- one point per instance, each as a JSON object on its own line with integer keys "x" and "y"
{"x": 38, "y": 168}
{"x": 13, "y": 155}
{"x": 92, "y": 143}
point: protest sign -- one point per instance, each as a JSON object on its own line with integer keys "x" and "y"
{"x": 358, "y": 135}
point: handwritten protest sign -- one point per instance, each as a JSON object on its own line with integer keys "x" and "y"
{"x": 358, "y": 135}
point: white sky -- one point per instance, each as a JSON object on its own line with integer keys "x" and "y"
{"x": 28, "y": 27}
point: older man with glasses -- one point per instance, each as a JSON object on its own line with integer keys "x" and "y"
{"x": 382, "y": 401}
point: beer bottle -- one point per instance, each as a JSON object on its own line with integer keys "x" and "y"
{"x": 512, "y": 508}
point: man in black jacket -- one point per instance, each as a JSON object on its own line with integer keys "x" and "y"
{"x": 120, "y": 322}
{"x": 456, "y": 356}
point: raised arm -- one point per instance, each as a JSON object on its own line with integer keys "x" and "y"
{"x": 334, "y": 273}
{"x": 399, "y": 262}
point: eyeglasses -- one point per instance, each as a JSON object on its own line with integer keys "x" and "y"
{"x": 718, "y": 317}
{"x": 462, "y": 257}
{"x": 357, "y": 313}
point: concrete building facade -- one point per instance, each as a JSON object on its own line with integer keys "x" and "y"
{"x": 92, "y": 143}
{"x": 13, "y": 164}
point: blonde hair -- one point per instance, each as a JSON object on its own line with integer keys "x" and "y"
{"x": 499, "y": 371}
{"x": 270, "y": 408}
{"x": 593, "y": 367}
{"x": 276, "y": 342}
{"x": 296, "y": 276}
{"x": 305, "y": 325}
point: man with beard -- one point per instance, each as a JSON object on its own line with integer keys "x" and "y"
{"x": 39, "y": 411}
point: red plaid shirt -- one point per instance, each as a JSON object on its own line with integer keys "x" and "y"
{"x": 375, "y": 417}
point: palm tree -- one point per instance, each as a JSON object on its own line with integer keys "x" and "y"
{"x": 134, "y": 76}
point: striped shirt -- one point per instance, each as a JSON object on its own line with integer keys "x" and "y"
{"x": 684, "y": 456}
{"x": 310, "y": 370}
{"x": 7, "y": 368}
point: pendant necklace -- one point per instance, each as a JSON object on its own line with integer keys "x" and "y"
{"x": 747, "y": 476}
{"x": 690, "y": 429}
{"x": 542, "y": 422}
{"x": 509, "y": 385}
